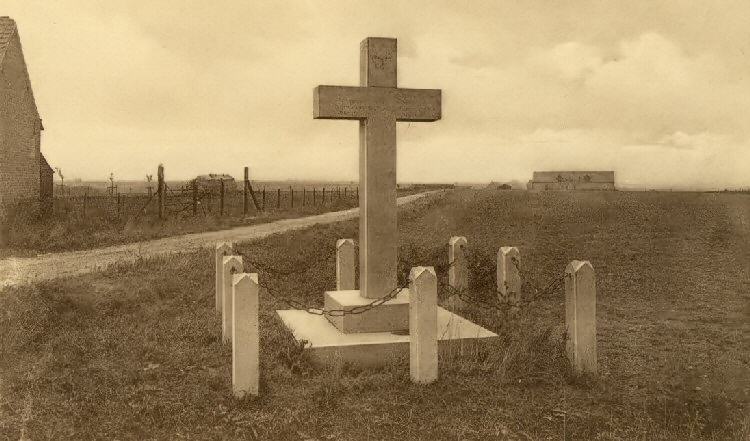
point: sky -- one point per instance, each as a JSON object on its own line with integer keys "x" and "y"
{"x": 658, "y": 91}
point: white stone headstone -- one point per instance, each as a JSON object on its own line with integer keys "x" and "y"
{"x": 423, "y": 344}
{"x": 509, "y": 275}
{"x": 245, "y": 335}
{"x": 345, "y": 265}
{"x": 222, "y": 249}
{"x": 230, "y": 265}
{"x": 458, "y": 272}
{"x": 580, "y": 316}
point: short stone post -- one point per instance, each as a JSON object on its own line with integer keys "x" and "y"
{"x": 222, "y": 249}
{"x": 245, "y": 333}
{"x": 230, "y": 265}
{"x": 458, "y": 272}
{"x": 345, "y": 259}
{"x": 509, "y": 275}
{"x": 580, "y": 316}
{"x": 423, "y": 344}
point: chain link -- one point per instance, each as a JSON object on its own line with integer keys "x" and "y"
{"x": 294, "y": 304}
{"x": 552, "y": 286}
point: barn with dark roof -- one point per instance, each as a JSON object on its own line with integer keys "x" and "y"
{"x": 21, "y": 162}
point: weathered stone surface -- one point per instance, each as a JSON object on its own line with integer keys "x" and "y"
{"x": 245, "y": 335}
{"x": 423, "y": 346}
{"x": 230, "y": 265}
{"x": 508, "y": 275}
{"x": 391, "y": 316}
{"x": 405, "y": 105}
{"x": 580, "y": 316}
{"x": 222, "y": 249}
{"x": 328, "y": 345}
{"x": 345, "y": 265}
{"x": 378, "y": 62}
{"x": 378, "y": 105}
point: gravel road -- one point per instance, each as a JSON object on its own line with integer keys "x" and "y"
{"x": 17, "y": 271}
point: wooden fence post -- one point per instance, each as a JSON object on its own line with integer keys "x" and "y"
{"x": 221, "y": 198}
{"x": 249, "y": 188}
{"x": 246, "y": 184}
{"x": 245, "y": 335}
{"x": 195, "y": 197}
{"x": 264, "y": 199}
{"x": 119, "y": 211}
{"x": 291, "y": 196}
{"x": 85, "y": 198}
{"x": 304, "y": 195}
{"x": 160, "y": 191}
{"x": 323, "y": 200}
{"x": 313, "y": 201}
{"x": 278, "y": 198}
{"x": 580, "y": 316}
{"x": 423, "y": 344}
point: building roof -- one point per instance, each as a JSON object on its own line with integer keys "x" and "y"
{"x": 7, "y": 31}
{"x": 43, "y": 162}
{"x": 215, "y": 177}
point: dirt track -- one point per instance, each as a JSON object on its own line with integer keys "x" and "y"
{"x": 16, "y": 271}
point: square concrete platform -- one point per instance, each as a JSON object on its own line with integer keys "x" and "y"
{"x": 391, "y": 316}
{"x": 328, "y": 345}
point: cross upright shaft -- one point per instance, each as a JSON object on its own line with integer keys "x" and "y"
{"x": 378, "y": 104}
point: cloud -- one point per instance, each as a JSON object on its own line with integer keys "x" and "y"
{"x": 526, "y": 85}
{"x": 570, "y": 60}
{"x": 703, "y": 140}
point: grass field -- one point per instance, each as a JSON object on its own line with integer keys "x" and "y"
{"x": 135, "y": 352}
{"x": 68, "y": 229}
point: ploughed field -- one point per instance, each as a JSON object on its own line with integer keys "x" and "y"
{"x": 135, "y": 352}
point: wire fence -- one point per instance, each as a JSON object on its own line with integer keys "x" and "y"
{"x": 183, "y": 201}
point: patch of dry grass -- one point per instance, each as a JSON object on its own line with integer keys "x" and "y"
{"x": 135, "y": 352}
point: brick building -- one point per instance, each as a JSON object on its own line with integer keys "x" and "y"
{"x": 572, "y": 180}
{"x": 21, "y": 162}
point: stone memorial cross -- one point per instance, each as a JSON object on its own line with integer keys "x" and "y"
{"x": 378, "y": 104}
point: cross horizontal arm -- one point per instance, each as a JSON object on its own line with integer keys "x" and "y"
{"x": 340, "y": 102}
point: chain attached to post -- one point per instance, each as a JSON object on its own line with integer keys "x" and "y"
{"x": 555, "y": 284}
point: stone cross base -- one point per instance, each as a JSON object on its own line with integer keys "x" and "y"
{"x": 391, "y": 316}
{"x": 329, "y": 346}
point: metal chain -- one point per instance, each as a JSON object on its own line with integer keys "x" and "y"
{"x": 552, "y": 286}
{"x": 294, "y": 304}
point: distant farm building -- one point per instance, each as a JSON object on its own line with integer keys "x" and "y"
{"x": 24, "y": 173}
{"x": 212, "y": 182}
{"x": 572, "y": 180}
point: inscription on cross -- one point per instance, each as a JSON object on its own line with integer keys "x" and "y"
{"x": 378, "y": 104}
